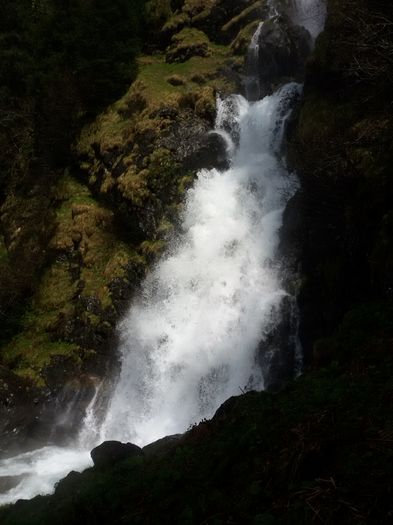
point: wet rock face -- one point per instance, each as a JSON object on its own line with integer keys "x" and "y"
{"x": 111, "y": 452}
{"x": 222, "y": 19}
{"x": 283, "y": 50}
{"x": 277, "y": 352}
{"x": 18, "y": 410}
{"x": 31, "y": 416}
{"x": 192, "y": 145}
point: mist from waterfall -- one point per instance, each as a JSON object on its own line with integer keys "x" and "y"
{"x": 190, "y": 340}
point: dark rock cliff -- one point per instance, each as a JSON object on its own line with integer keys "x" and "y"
{"x": 342, "y": 149}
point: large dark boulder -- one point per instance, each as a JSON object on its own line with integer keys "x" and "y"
{"x": 222, "y": 19}
{"x": 211, "y": 153}
{"x": 111, "y": 452}
{"x": 283, "y": 50}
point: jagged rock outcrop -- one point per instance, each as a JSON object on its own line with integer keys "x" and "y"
{"x": 283, "y": 50}
{"x": 111, "y": 452}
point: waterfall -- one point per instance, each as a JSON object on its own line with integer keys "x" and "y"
{"x": 251, "y": 81}
{"x": 190, "y": 340}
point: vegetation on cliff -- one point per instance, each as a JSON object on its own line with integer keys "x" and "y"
{"x": 60, "y": 64}
{"x": 87, "y": 202}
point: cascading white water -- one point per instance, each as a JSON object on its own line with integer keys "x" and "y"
{"x": 189, "y": 342}
{"x": 310, "y": 14}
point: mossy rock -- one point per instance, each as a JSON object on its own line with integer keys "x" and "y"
{"x": 186, "y": 44}
{"x": 176, "y": 80}
{"x": 73, "y": 298}
{"x": 195, "y": 7}
{"x": 205, "y": 105}
{"x": 158, "y": 12}
{"x": 242, "y": 41}
{"x": 176, "y": 23}
{"x": 247, "y": 16}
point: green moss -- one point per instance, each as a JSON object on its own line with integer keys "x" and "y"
{"x": 176, "y": 80}
{"x": 133, "y": 186}
{"x": 152, "y": 248}
{"x": 176, "y": 22}
{"x": 164, "y": 172}
{"x": 154, "y": 73}
{"x": 71, "y": 190}
{"x": 165, "y": 228}
{"x": 87, "y": 257}
{"x": 197, "y": 7}
{"x": 29, "y": 353}
{"x": 240, "y": 44}
{"x": 190, "y": 36}
{"x": 185, "y": 183}
{"x": 187, "y": 43}
{"x": 109, "y": 130}
{"x": 251, "y": 11}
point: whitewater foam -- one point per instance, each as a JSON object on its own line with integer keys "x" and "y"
{"x": 189, "y": 342}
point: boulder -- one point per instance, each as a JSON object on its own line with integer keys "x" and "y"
{"x": 110, "y": 452}
{"x": 187, "y": 43}
{"x": 277, "y": 350}
{"x": 162, "y": 446}
{"x": 283, "y": 50}
{"x": 211, "y": 154}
